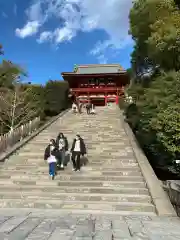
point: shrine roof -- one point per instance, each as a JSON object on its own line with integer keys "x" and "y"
{"x": 96, "y": 69}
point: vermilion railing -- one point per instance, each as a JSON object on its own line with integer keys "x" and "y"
{"x": 100, "y": 89}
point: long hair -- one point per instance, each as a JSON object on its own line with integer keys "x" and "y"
{"x": 53, "y": 142}
{"x": 53, "y": 145}
{"x": 61, "y": 134}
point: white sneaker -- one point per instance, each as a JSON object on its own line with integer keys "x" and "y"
{"x": 62, "y": 166}
{"x": 73, "y": 169}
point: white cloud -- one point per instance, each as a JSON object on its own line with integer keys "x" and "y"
{"x": 63, "y": 34}
{"x": 83, "y": 15}
{"x": 28, "y": 30}
{"x": 45, "y": 36}
{"x": 35, "y": 13}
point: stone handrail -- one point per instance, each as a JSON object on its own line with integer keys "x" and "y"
{"x": 11, "y": 138}
{"x": 9, "y": 151}
{"x": 172, "y": 188}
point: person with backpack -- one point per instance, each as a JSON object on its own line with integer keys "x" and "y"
{"x": 50, "y": 155}
{"x": 62, "y": 143}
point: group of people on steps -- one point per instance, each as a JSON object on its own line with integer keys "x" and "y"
{"x": 57, "y": 151}
{"x": 77, "y": 108}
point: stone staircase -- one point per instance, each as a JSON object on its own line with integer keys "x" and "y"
{"x": 111, "y": 183}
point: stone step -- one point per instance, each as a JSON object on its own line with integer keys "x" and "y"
{"x": 87, "y": 168}
{"x": 74, "y": 205}
{"x": 96, "y": 160}
{"x": 74, "y": 177}
{"x": 88, "y": 140}
{"x": 42, "y": 164}
{"x": 78, "y": 197}
{"x": 25, "y": 163}
{"x": 45, "y": 183}
{"x": 111, "y": 182}
{"x": 44, "y": 167}
{"x": 61, "y": 189}
{"x": 94, "y": 154}
{"x": 8, "y": 174}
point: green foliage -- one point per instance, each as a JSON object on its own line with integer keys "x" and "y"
{"x": 164, "y": 43}
{"x": 36, "y": 95}
{"x": 10, "y": 73}
{"x": 167, "y": 126}
{"x": 56, "y": 97}
{"x": 155, "y": 116}
{"x": 154, "y": 25}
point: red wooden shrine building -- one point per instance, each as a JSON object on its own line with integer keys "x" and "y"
{"x": 98, "y": 83}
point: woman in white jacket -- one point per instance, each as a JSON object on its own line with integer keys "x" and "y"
{"x": 50, "y": 156}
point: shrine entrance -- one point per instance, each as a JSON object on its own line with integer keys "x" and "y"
{"x": 98, "y": 101}
{"x": 99, "y": 83}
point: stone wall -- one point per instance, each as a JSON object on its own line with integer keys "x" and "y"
{"x": 172, "y": 188}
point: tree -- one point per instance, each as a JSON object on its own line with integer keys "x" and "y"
{"x": 154, "y": 116}
{"x": 36, "y": 95}
{"x": 15, "y": 107}
{"x": 164, "y": 42}
{"x": 10, "y": 73}
{"x": 56, "y": 97}
{"x": 167, "y": 126}
{"x": 154, "y": 25}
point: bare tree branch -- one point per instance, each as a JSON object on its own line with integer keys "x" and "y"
{"x": 17, "y": 106}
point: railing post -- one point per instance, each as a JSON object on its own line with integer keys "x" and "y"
{"x": 35, "y": 123}
{"x": 22, "y": 132}
{"x": 30, "y": 127}
{"x": 10, "y": 137}
{"x": 18, "y": 134}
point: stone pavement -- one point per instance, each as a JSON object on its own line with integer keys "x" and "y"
{"x": 53, "y": 225}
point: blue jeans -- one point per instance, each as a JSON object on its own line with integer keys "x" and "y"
{"x": 52, "y": 169}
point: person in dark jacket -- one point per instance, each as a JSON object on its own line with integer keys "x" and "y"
{"x": 88, "y": 107}
{"x": 78, "y": 149}
{"x": 62, "y": 143}
{"x": 50, "y": 155}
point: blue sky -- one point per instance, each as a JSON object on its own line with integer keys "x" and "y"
{"x": 47, "y": 37}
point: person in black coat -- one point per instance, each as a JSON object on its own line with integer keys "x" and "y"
{"x": 62, "y": 143}
{"x": 50, "y": 155}
{"x": 88, "y": 107}
{"x": 78, "y": 149}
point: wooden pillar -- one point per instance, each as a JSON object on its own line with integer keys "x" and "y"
{"x": 88, "y": 97}
{"x": 106, "y": 100}
{"x": 117, "y": 99}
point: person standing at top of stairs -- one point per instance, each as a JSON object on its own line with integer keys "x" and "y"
{"x": 62, "y": 143}
{"x": 78, "y": 149}
{"x": 50, "y": 155}
{"x": 88, "y": 107}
